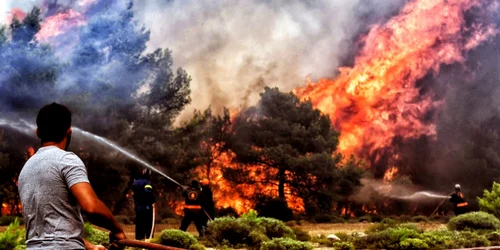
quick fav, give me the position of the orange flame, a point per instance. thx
(227, 194)
(5, 208)
(390, 174)
(16, 12)
(58, 24)
(377, 99)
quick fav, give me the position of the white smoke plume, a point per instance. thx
(233, 48)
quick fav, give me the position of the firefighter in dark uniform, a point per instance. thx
(207, 201)
(460, 205)
(144, 200)
(192, 208)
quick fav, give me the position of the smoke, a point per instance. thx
(90, 55)
(402, 190)
(233, 48)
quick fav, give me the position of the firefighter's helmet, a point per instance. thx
(457, 186)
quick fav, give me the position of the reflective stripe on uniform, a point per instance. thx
(148, 186)
(192, 206)
(463, 204)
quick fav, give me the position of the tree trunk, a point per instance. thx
(1, 207)
(281, 183)
(209, 169)
(123, 200)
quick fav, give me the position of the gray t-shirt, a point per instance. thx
(51, 213)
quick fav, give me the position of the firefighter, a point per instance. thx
(144, 200)
(207, 201)
(460, 205)
(192, 208)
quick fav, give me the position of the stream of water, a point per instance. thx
(420, 195)
(29, 129)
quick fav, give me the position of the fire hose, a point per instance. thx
(441, 203)
(153, 223)
(121, 244)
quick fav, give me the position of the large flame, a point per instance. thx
(377, 99)
(227, 194)
(58, 24)
(16, 12)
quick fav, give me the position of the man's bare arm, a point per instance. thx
(97, 212)
(90, 246)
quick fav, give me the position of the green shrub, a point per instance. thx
(494, 238)
(371, 218)
(328, 218)
(474, 221)
(233, 232)
(197, 247)
(247, 231)
(20, 247)
(387, 239)
(321, 240)
(420, 218)
(439, 239)
(385, 224)
(411, 226)
(472, 239)
(490, 202)
(444, 239)
(276, 228)
(413, 244)
(343, 246)
(94, 235)
(345, 236)
(285, 244)
(301, 235)
(177, 238)
(7, 220)
(404, 218)
(365, 218)
(12, 237)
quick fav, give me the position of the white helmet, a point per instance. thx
(457, 186)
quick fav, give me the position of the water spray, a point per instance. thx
(419, 195)
(423, 194)
(20, 126)
(27, 128)
(123, 151)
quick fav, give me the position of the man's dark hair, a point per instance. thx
(53, 122)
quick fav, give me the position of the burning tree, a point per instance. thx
(206, 135)
(293, 147)
(104, 74)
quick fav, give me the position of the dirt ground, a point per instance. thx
(312, 228)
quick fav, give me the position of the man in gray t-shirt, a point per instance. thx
(54, 187)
